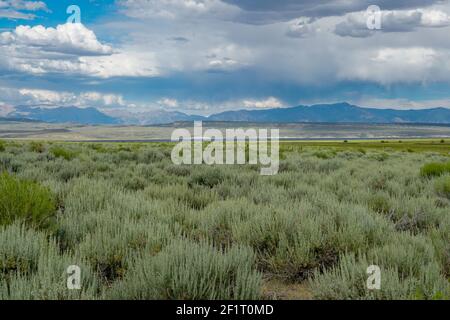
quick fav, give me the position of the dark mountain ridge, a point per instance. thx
(321, 113)
(336, 113)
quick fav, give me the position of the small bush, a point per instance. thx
(363, 151)
(181, 171)
(2, 146)
(382, 157)
(435, 169)
(324, 155)
(347, 281)
(380, 203)
(150, 156)
(31, 267)
(191, 271)
(134, 183)
(37, 147)
(60, 152)
(209, 177)
(442, 187)
(24, 200)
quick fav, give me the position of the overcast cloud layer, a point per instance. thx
(205, 56)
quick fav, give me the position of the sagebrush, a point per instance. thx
(142, 228)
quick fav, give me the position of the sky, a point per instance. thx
(208, 56)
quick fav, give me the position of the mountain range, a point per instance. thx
(334, 113)
(63, 115)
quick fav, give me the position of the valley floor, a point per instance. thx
(288, 131)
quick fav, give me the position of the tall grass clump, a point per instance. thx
(24, 200)
(409, 270)
(442, 186)
(31, 267)
(435, 169)
(19, 250)
(190, 271)
(60, 152)
(207, 177)
(36, 146)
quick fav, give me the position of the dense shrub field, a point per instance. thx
(140, 227)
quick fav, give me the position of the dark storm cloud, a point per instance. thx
(268, 11)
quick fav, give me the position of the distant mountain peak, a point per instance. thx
(68, 114)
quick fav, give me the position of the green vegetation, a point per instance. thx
(36, 146)
(443, 187)
(141, 227)
(435, 169)
(60, 152)
(25, 201)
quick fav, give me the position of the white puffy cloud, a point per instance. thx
(69, 38)
(127, 63)
(46, 97)
(52, 99)
(270, 102)
(70, 49)
(355, 24)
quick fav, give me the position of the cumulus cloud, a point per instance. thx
(270, 102)
(70, 49)
(45, 97)
(127, 63)
(70, 38)
(355, 24)
(52, 99)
